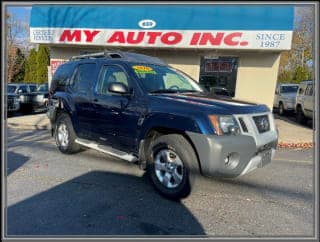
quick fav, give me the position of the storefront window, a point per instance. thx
(218, 75)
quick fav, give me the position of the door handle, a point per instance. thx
(95, 100)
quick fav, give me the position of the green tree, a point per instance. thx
(18, 67)
(302, 44)
(285, 76)
(42, 64)
(301, 73)
(31, 67)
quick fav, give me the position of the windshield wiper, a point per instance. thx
(184, 90)
(172, 91)
(164, 91)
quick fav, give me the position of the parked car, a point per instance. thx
(304, 102)
(13, 102)
(40, 97)
(285, 97)
(22, 91)
(139, 109)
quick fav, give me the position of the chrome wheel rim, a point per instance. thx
(63, 135)
(168, 168)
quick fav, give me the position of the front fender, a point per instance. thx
(64, 103)
(170, 121)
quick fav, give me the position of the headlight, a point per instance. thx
(225, 125)
(16, 100)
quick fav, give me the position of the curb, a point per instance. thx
(303, 145)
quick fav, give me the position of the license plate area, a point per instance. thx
(265, 157)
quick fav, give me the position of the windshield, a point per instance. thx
(289, 89)
(43, 88)
(33, 88)
(11, 88)
(158, 79)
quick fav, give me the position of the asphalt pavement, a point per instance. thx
(90, 193)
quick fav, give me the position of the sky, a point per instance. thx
(21, 13)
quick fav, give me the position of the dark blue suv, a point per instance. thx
(139, 109)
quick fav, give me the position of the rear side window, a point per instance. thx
(83, 78)
(309, 90)
(61, 77)
(301, 90)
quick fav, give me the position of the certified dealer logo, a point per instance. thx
(147, 23)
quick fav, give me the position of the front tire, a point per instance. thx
(281, 109)
(172, 166)
(65, 135)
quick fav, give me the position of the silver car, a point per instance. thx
(304, 102)
(285, 97)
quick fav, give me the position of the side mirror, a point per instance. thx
(19, 91)
(119, 88)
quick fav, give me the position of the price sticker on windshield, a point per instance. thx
(143, 69)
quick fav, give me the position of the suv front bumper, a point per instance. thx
(231, 156)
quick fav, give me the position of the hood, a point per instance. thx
(207, 103)
(290, 95)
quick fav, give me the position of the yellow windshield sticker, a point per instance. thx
(143, 69)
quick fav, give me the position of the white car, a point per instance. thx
(304, 102)
(285, 97)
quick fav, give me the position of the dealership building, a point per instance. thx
(234, 48)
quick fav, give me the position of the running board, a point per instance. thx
(106, 149)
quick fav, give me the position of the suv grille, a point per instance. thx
(10, 102)
(262, 123)
(243, 125)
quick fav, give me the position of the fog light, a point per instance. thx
(232, 160)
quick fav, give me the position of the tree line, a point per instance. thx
(31, 69)
(19, 67)
(297, 64)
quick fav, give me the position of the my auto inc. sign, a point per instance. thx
(193, 30)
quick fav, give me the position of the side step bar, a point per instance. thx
(106, 149)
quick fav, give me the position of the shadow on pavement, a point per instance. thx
(290, 118)
(15, 161)
(101, 203)
(267, 188)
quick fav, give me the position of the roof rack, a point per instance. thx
(104, 54)
(117, 54)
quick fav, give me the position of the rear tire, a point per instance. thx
(172, 166)
(301, 119)
(65, 135)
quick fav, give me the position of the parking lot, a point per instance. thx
(90, 193)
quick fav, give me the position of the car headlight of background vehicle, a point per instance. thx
(225, 124)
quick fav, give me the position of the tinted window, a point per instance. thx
(109, 75)
(301, 90)
(33, 88)
(309, 90)
(11, 89)
(43, 88)
(84, 77)
(289, 89)
(24, 89)
(61, 77)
